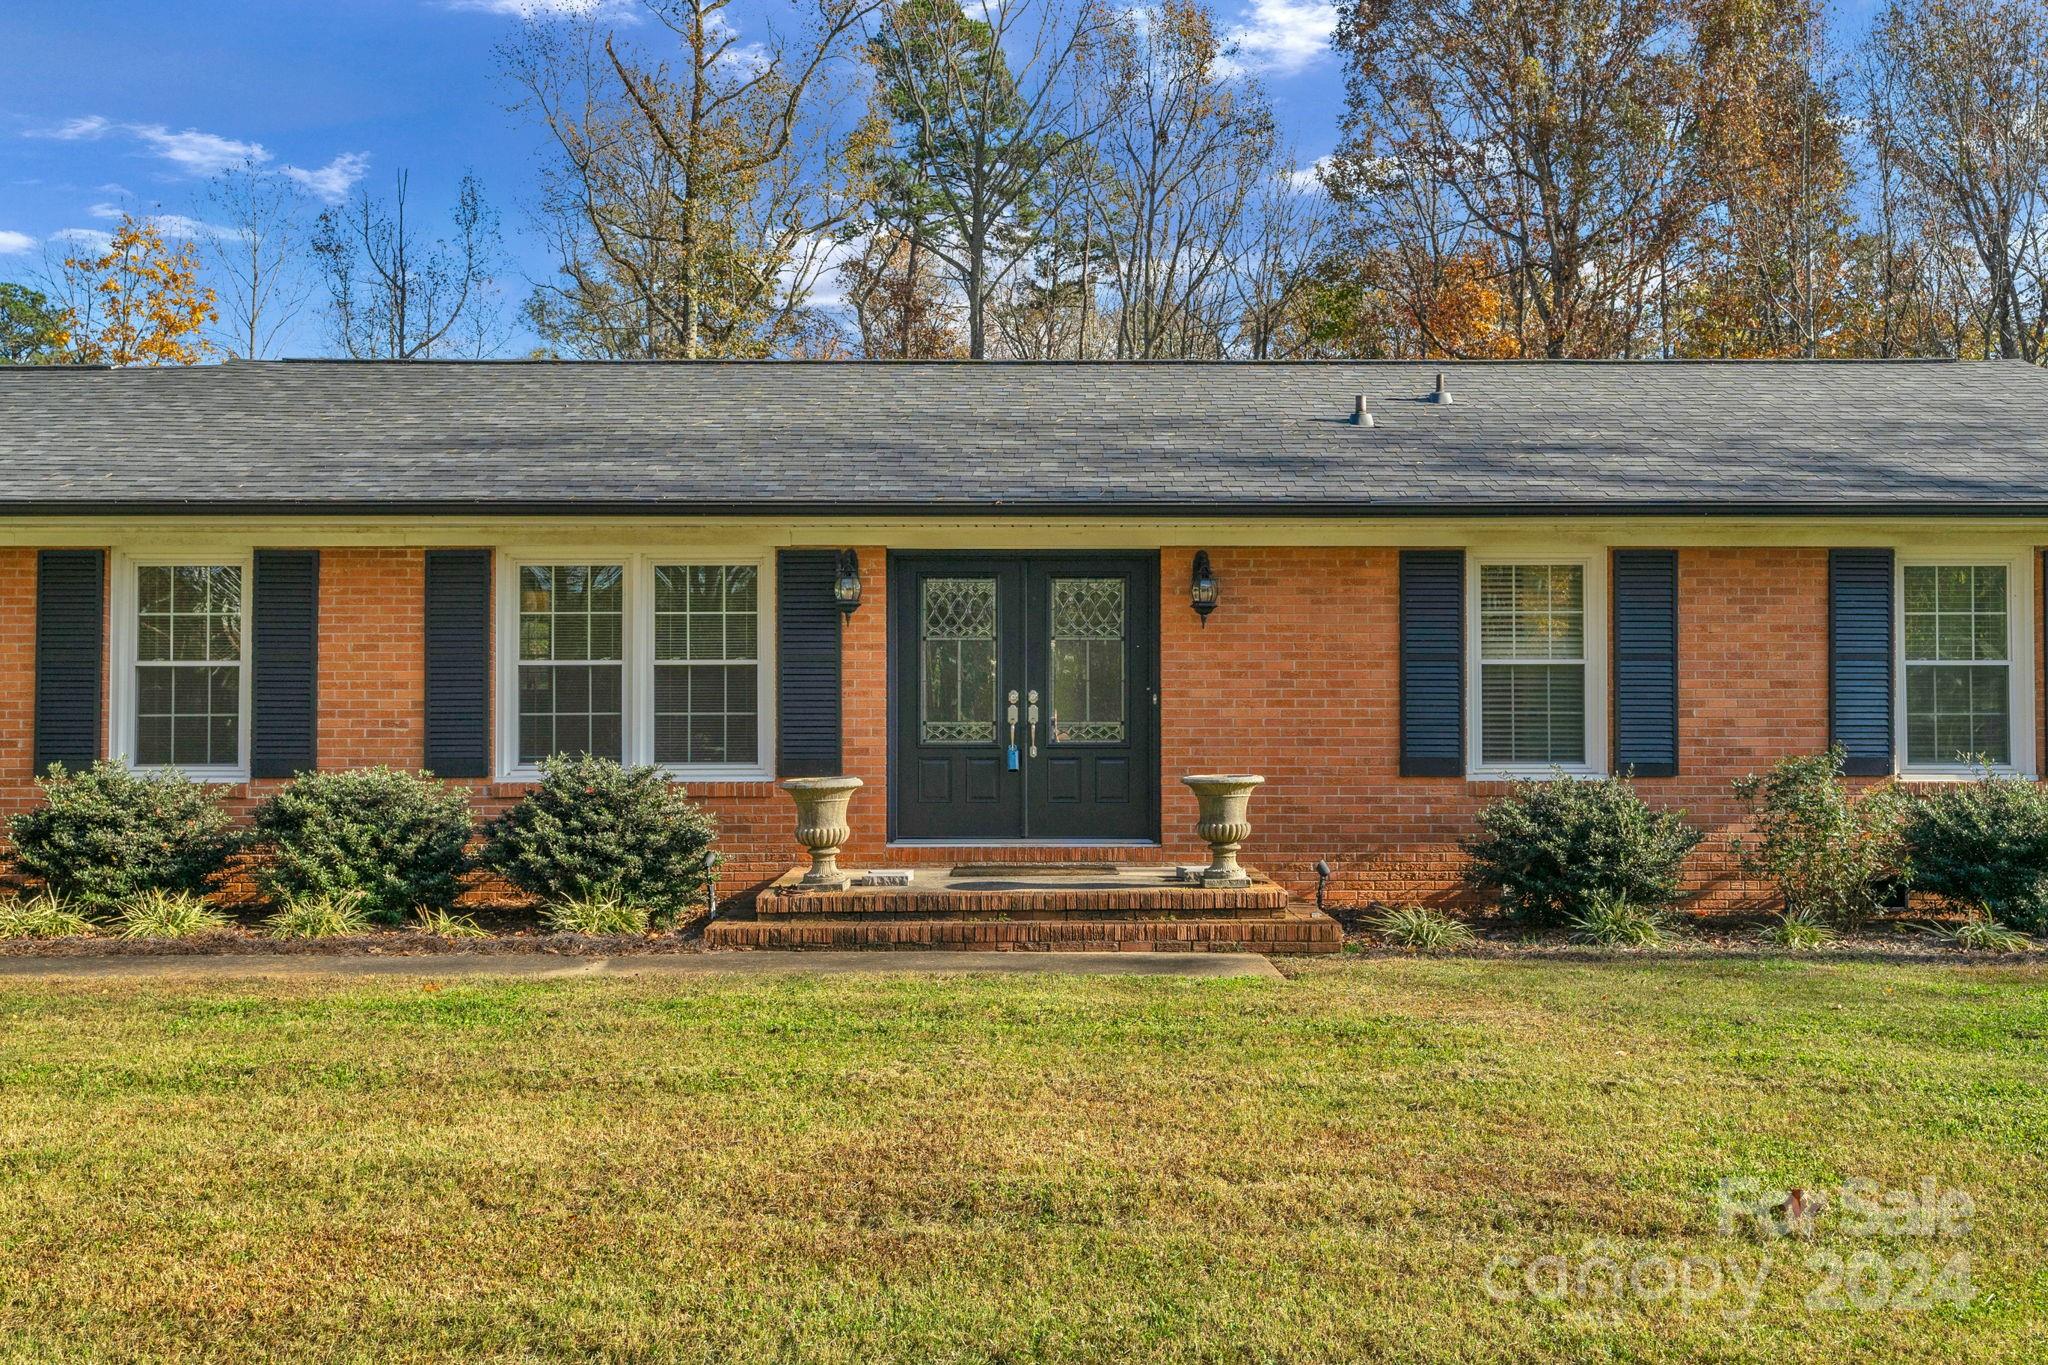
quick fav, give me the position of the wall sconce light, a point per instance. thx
(1202, 591)
(846, 583)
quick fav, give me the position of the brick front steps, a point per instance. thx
(1075, 907)
(1294, 930)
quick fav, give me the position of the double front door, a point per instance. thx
(1026, 696)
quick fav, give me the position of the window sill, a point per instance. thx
(214, 777)
(1958, 774)
(1532, 774)
(528, 777)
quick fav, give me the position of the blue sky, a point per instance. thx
(112, 105)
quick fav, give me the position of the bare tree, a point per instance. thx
(1958, 102)
(1182, 149)
(1292, 220)
(394, 294)
(696, 199)
(1564, 132)
(253, 247)
(985, 102)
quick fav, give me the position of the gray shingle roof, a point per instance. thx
(938, 437)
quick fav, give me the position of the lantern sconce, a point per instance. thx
(846, 583)
(1202, 590)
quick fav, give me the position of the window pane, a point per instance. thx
(1956, 646)
(1532, 611)
(705, 639)
(1087, 647)
(1956, 712)
(571, 612)
(1533, 713)
(188, 644)
(569, 708)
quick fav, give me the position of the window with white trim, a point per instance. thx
(187, 695)
(644, 658)
(1956, 643)
(572, 641)
(1532, 666)
(707, 676)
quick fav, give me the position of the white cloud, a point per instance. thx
(1280, 37)
(90, 241)
(541, 9)
(1309, 177)
(197, 152)
(332, 181)
(14, 243)
(72, 130)
(190, 150)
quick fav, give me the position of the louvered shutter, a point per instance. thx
(70, 625)
(1432, 663)
(1860, 659)
(1646, 662)
(284, 640)
(458, 662)
(807, 729)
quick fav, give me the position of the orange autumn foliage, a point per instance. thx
(143, 303)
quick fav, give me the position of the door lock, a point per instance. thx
(1031, 714)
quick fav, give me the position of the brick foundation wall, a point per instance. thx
(1294, 676)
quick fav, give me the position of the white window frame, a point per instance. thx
(1594, 566)
(124, 630)
(2019, 625)
(636, 683)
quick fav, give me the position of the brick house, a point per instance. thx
(1683, 570)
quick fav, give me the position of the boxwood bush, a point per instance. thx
(1984, 844)
(592, 829)
(392, 838)
(1549, 850)
(105, 834)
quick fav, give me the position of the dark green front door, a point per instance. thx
(1026, 696)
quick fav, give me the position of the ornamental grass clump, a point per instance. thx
(393, 838)
(1800, 931)
(444, 924)
(106, 834)
(339, 915)
(1418, 926)
(593, 830)
(1834, 857)
(1610, 921)
(41, 916)
(1983, 935)
(1547, 849)
(603, 912)
(1984, 844)
(168, 914)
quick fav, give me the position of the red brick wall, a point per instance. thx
(1294, 676)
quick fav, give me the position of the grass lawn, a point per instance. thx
(1014, 1168)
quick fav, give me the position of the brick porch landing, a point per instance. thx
(1072, 907)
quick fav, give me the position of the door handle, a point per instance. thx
(1031, 714)
(1013, 718)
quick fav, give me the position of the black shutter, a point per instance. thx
(458, 663)
(1432, 663)
(1646, 662)
(807, 724)
(1860, 659)
(70, 608)
(284, 639)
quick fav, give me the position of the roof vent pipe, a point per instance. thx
(1361, 413)
(1443, 395)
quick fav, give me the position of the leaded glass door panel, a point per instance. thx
(958, 628)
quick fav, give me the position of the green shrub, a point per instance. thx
(1982, 935)
(602, 912)
(1418, 926)
(105, 834)
(42, 916)
(592, 828)
(1799, 930)
(1984, 844)
(442, 924)
(1617, 922)
(395, 837)
(327, 916)
(168, 914)
(1548, 848)
(1832, 858)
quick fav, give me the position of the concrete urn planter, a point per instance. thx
(821, 826)
(1224, 823)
